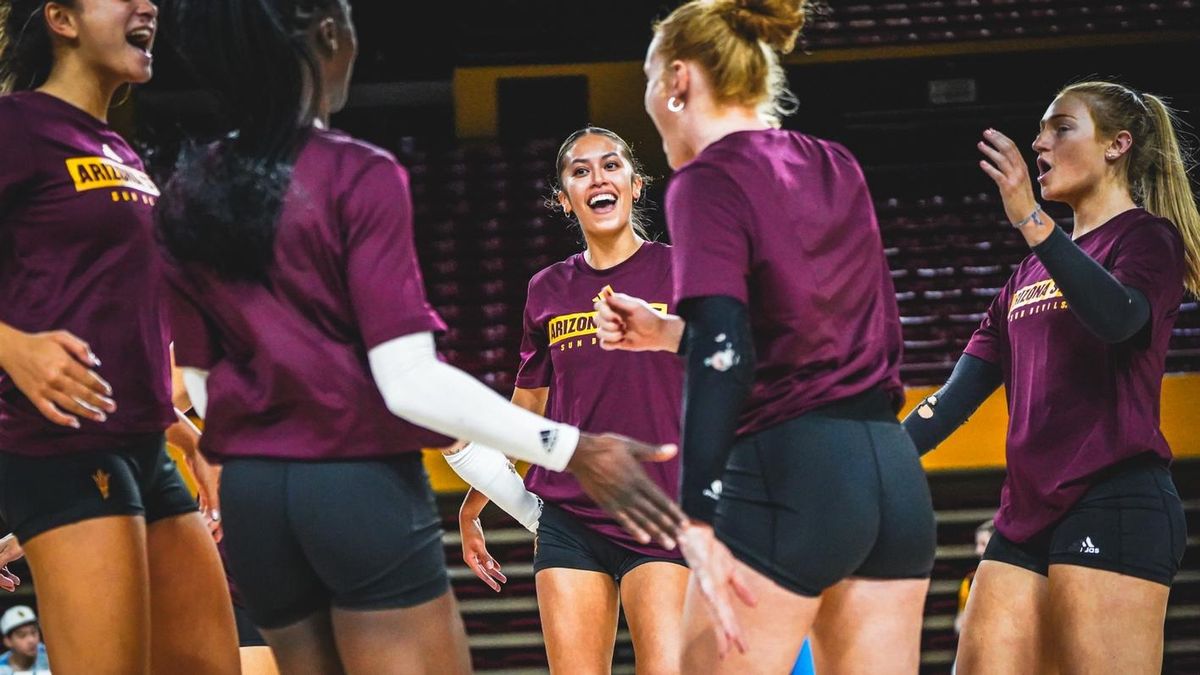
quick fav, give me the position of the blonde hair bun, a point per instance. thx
(775, 22)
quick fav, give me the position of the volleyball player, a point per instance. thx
(302, 325)
(807, 500)
(586, 566)
(88, 488)
(1091, 529)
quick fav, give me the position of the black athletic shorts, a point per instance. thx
(1130, 521)
(838, 492)
(304, 536)
(564, 542)
(248, 635)
(136, 478)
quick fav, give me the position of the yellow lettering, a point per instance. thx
(91, 173)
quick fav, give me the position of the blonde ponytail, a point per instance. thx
(1157, 166)
(1167, 191)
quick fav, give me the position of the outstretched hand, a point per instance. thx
(609, 471)
(715, 571)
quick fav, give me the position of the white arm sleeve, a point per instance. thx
(442, 398)
(195, 381)
(489, 471)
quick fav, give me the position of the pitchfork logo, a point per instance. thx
(101, 480)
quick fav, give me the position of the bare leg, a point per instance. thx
(306, 647)
(258, 661)
(653, 595)
(870, 626)
(93, 579)
(774, 630)
(579, 620)
(192, 628)
(1106, 622)
(421, 640)
(1005, 626)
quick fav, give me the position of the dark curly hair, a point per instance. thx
(221, 208)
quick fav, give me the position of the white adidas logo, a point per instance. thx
(713, 492)
(111, 154)
(1086, 546)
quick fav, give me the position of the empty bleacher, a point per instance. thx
(484, 228)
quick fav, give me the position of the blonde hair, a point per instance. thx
(737, 43)
(1157, 166)
(5, 11)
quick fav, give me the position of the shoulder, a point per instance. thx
(658, 249)
(13, 127)
(658, 254)
(1141, 225)
(13, 105)
(707, 178)
(350, 156)
(553, 276)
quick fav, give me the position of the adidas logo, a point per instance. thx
(548, 438)
(111, 154)
(714, 492)
(1086, 546)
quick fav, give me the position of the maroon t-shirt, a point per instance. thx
(784, 223)
(636, 394)
(1076, 404)
(77, 253)
(287, 360)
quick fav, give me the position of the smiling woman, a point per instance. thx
(586, 566)
(88, 488)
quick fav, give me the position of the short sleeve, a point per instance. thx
(196, 343)
(383, 278)
(706, 215)
(990, 340)
(536, 369)
(1150, 258)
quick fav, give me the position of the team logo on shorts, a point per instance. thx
(101, 480)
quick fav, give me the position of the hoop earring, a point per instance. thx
(674, 105)
(124, 99)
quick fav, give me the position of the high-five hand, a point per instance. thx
(1006, 166)
(609, 472)
(715, 571)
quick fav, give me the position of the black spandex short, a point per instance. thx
(838, 492)
(564, 542)
(304, 536)
(248, 635)
(135, 478)
(1130, 521)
